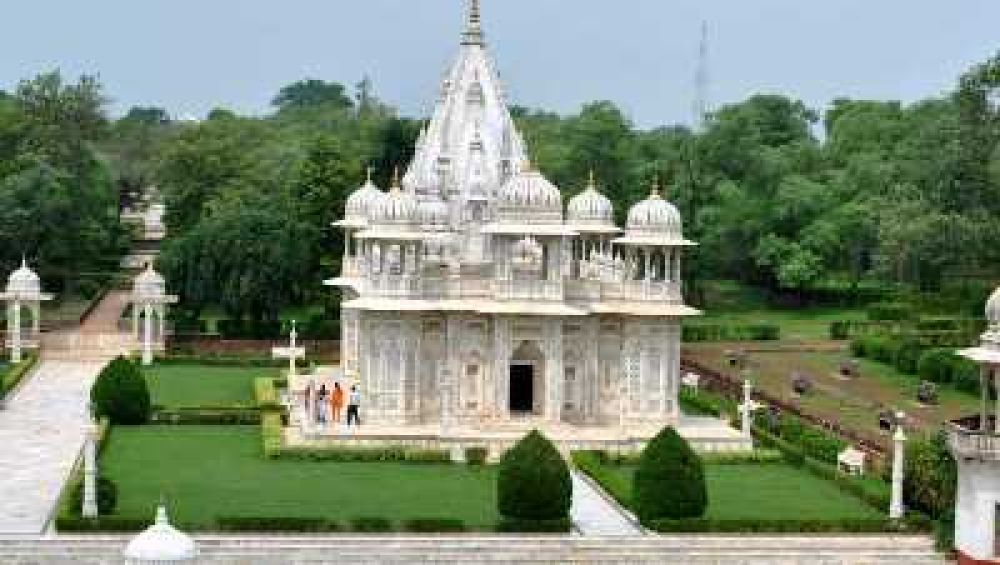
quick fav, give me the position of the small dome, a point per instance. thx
(24, 281)
(590, 207)
(149, 283)
(530, 197)
(433, 213)
(993, 309)
(161, 543)
(361, 203)
(396, 207)
(655, 216)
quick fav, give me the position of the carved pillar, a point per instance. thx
(15, 332)
(555, 377)
(147, 334)
(592, 375)
(501, 367)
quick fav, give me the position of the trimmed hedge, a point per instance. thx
(594, 465)
(206, 416)
(555, 526)
(271, 435)
(101, 524)
(533, 482)
(276, 524)
(12, 377)
(265, 394)
(476, 455)
(890, 312)
(107, 496)
(774, 526)
(226, 361)
(734, 332)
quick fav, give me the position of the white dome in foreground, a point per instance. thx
(161, 543)
(361, 202)
(529, 197)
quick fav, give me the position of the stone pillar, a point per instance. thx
(996, 418)
(89, 509)
(747, 400)
(984, 388)
(896, 507)
(147, 334)
(15, 333)
(501, 366)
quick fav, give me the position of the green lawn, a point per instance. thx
(805, 324)
(200, 385)
(773, 491)
(210, 471)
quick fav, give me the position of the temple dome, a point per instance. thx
(655, 216)
(529, 197)
(161, 543)
(590, 207)
(149, 283)
(362, 202)
(993, 309)
(24, 281)
(396, 207)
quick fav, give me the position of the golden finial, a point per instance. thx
(395, 177)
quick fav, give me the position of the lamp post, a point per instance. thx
(896, 506)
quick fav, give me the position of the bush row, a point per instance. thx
(734, 332)
(939, 364)
(811, 440)
(14, 373)
(778, 526)
(902, 353)
(265, 394)
(366, 454)
(224, 361)
(360, 524)
(317, 326)
(757, 456)
(206, 416)
(890, 312)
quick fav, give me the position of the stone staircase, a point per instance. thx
(697, 549)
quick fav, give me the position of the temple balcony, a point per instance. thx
(967, 439)
(641, 291)
(517, 289)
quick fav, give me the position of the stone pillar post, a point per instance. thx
(984, 394)
(996, 383)
(147, 334)
(896, 507)
(89, 509)
(15, 334)
(747, 401)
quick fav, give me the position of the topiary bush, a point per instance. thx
(120, 394)
(533, 482)
(670, 480)
(937, 365)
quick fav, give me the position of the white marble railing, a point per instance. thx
(973, 444)
(441, 288)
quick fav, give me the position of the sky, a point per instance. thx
(190, 56)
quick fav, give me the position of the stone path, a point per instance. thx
(593, 515)
(45, 422)
(41, 433)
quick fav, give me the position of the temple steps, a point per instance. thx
(497, 549)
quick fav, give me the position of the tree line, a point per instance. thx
(779, 196)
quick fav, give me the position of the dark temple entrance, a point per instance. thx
(522, 379)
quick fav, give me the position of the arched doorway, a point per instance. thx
(527, 366)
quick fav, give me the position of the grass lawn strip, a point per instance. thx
(210, 471)
(770, 491)
(174, 386)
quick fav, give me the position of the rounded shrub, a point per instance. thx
(120, 394)
(670, 480)
(533, 482)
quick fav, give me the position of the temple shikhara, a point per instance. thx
(472, 295)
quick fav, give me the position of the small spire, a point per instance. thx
(368, 173)
(655, 192)
(395, 178)
(473, 34)
(24, 261)
(592, 181)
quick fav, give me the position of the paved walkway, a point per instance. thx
(41, 433)
(594, 515)
(45, 422)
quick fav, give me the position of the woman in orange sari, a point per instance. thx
(336, 402)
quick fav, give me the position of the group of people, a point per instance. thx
(325, 406)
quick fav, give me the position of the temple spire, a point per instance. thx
(473, 34)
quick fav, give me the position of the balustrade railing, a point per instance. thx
(513, 289)
(973, 444)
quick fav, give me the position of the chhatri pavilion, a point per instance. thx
(472, 297)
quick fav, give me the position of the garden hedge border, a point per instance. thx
(13, 376)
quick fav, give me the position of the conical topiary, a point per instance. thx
(670, 480)
(533, 481)
(120, 394)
